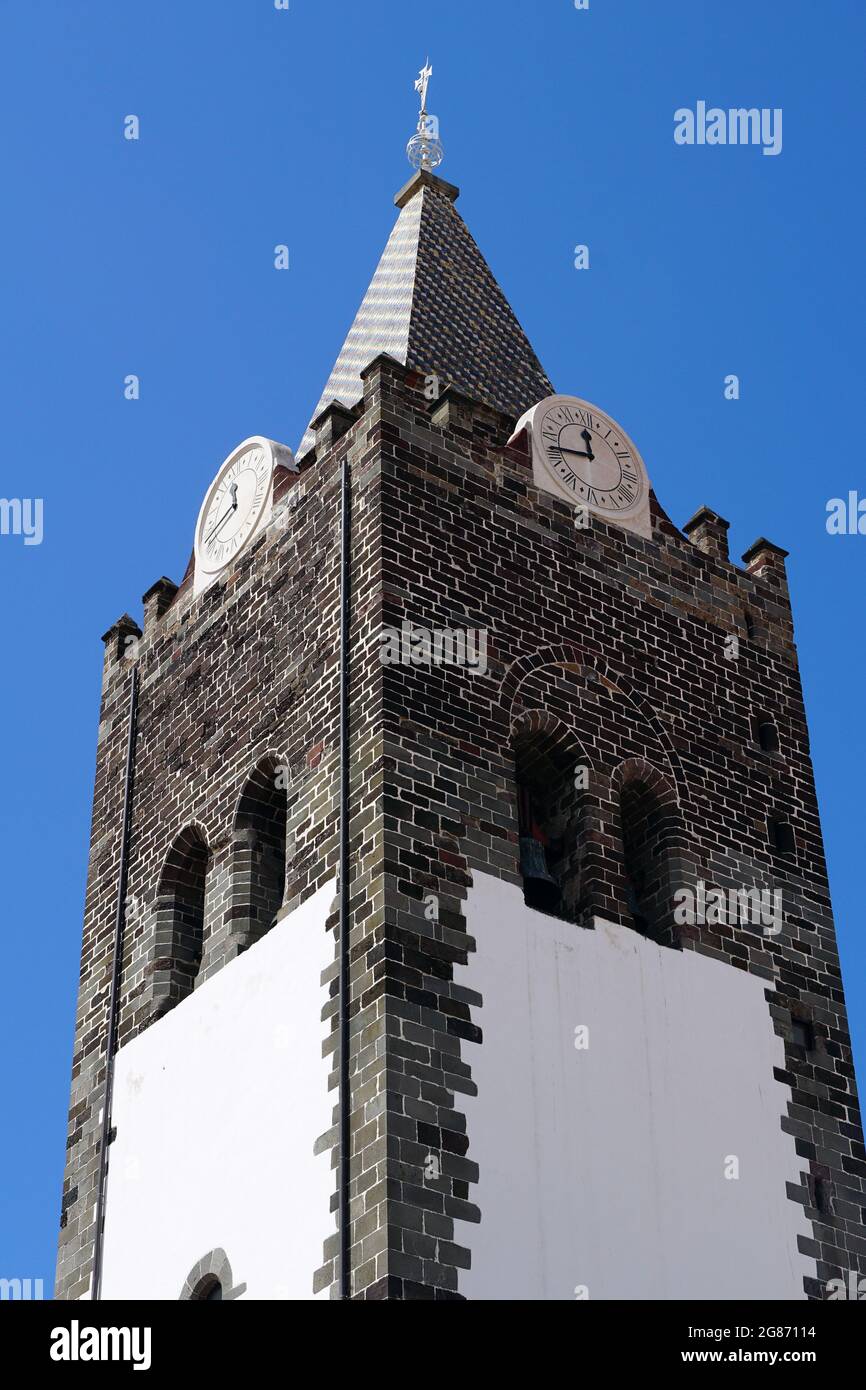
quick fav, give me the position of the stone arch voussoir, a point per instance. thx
(214, 1266)
(594, 666)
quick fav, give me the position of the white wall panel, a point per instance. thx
(217, 1108)
(605, 1167)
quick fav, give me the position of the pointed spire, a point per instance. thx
(435, 306)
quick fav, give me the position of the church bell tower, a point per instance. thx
(457, 920)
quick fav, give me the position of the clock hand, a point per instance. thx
(578, 453)
(226, 515)
(223, 519)
(587, 438)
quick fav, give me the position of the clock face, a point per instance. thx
(234, 506)
(591, 458)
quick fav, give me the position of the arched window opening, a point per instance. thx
(646, 827)
(550, 786)
(180, 914)
(211, 1281)
(259, 860)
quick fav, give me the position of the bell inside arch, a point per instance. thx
(540, 888)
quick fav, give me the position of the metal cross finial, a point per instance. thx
(425, 150)
(422, 83)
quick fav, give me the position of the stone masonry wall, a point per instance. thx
(621, 644)
(624, 644)
(243, 676)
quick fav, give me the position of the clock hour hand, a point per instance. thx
(587, 439)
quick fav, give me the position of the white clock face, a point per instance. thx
(592, 459)
(234, 506)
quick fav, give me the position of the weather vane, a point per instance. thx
(425, 150)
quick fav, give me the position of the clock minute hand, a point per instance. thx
(578, 453)
(226, 515)
(223, 519)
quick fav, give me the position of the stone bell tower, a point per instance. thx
(570, 1023)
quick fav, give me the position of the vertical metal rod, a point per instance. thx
(116, 970)
(344, 1085)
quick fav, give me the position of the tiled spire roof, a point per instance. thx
(434, 305)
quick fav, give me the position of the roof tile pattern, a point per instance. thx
(434, 305)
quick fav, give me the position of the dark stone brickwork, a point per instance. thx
(610, 646)
(233, 684)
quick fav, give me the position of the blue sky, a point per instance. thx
(156, 257)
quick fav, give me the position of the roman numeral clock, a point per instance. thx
(237, 505)
(582, 454)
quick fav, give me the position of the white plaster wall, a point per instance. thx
(217, 1109)
(605, 1167)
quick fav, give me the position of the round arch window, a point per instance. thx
(211, 1280)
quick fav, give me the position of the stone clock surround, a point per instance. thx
(557, 421)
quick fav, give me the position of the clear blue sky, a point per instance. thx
(261, 127)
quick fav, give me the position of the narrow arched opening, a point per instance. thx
(552, 781)
(259, 853)
(180, 919)
(648, 831)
